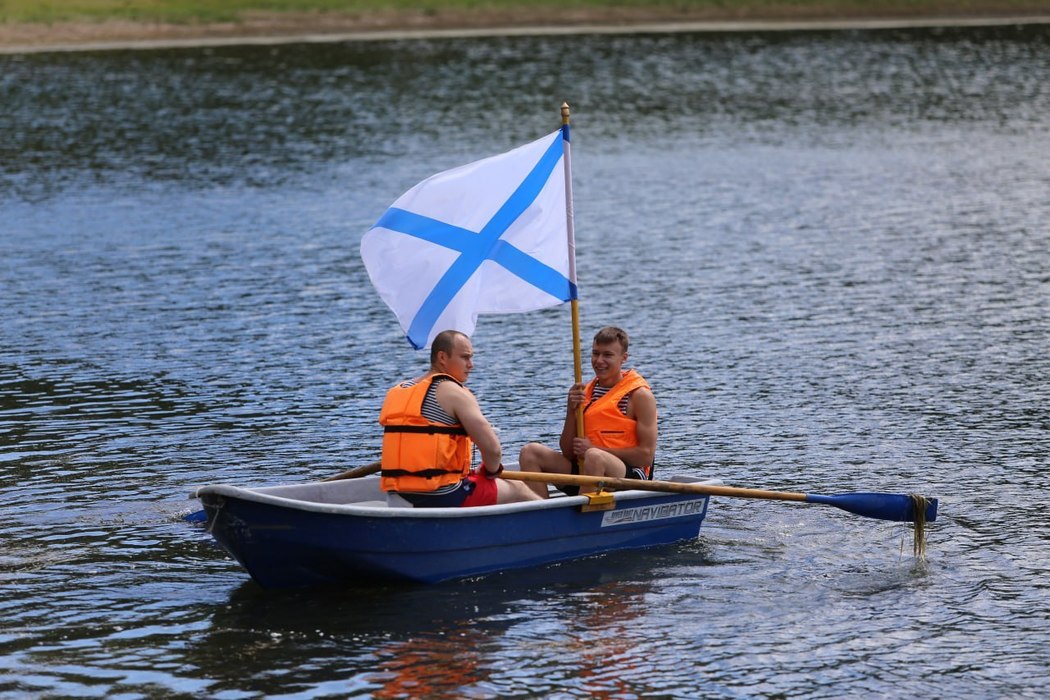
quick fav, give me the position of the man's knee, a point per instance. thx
(530, 458)
(600, 463)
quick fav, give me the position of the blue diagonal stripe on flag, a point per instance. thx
(473, 248)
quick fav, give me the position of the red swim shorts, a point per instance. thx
(484, 492)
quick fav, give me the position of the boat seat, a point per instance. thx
(395, 501)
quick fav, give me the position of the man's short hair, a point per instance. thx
(611, 334)
(444, 342)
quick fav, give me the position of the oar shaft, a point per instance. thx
(882, 506)
(356, 472)
(646, 485)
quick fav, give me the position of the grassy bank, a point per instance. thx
(36, 25)
(216, 11)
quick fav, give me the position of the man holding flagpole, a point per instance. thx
(620, 418)
(429, 426)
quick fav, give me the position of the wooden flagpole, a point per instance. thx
(574, 303)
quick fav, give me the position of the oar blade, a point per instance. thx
(197, 516)
(882, 506)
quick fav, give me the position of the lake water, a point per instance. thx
(831, 252)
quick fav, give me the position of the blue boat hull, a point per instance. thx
(344, 532)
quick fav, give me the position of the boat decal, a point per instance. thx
(641, 514)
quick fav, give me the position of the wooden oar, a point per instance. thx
(199, 516)
(356, 472)
(883, 506)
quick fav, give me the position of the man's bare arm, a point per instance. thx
(643, 409)
(461, 404)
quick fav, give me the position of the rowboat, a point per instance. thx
(346, 529)
(351, 531)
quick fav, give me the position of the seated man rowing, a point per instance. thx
(429, 424)
(619, 422)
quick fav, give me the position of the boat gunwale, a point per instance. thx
(259, 495)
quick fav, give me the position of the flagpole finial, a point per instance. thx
(564, 112)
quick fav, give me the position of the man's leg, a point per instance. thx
(514, 491)
(535, 457)
(598, 462)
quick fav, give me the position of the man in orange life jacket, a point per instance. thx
(429, 424)
(619, 422)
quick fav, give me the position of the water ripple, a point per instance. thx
(830, 252)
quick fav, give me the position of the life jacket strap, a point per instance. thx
(422, 474)
(428, 429)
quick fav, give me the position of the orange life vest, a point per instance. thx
(604, 424)
(418, 454)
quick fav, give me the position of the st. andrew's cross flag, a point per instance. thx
(494, 236)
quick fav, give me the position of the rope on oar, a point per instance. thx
(919, 510)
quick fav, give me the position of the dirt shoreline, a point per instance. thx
(271, 28)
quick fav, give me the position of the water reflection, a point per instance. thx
(494, 634)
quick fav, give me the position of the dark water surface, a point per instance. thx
(831, 250)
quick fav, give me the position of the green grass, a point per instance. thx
(192, 11)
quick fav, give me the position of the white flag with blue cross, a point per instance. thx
(490, 237)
